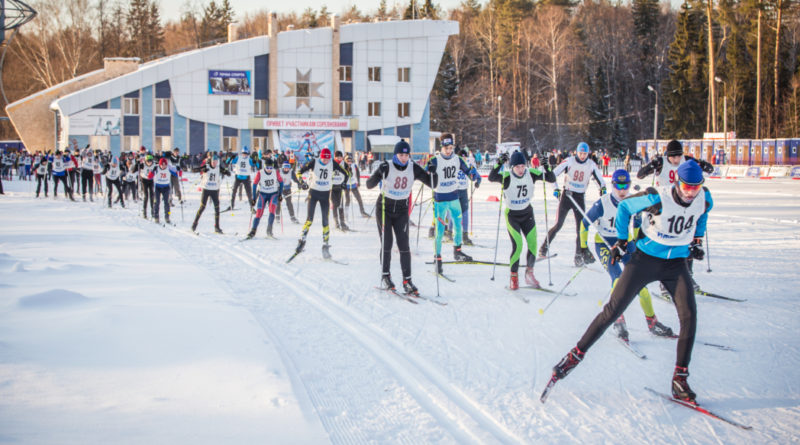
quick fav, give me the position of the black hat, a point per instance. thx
(402, 147)
(447, 139)
(674, 148)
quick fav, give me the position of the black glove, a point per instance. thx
(502, 159)
(706, 166)
(303, 186)
(384, 169)
(431, 167)
(280, 197)
(696, 249)
(618, 250)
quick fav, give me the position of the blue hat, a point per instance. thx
(621, 177)
(690, 173)
(517, 158)
(583, 147)
(245, 149)
(402, 147)
(286, 165)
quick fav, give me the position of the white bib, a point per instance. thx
(669, 173)
(144, 170)
(322, 176)
(41, 170)
(243, 166)
(578, 174)
(605, 226)
(287, 179)
(162, 177)
(113, 172)
(268, 182)
(398, 183)
(58, 164)
(353, 179)
(211, 179)
(87, 163)
(519, 192)
(447, 173)
(675, 226)
(338, 178)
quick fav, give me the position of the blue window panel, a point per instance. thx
(420, 143)
(197, 137)
(101, 105)
(346, 133)
(179, 132)
(115, 103)
(163, 90)
(346, 53)
(261, 77)
(244, 139)
(388, 131)
(115, 144)
(213, 137)
(230, 132)
(345, 90)
(146, 107)
(404, 131)
(260, 133)
(130, 125)
(163, 125)
(132, 94)
(359, 141)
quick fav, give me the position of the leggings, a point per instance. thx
(321, 197)
(287, 198)
(87, 180)
(67, 189)
(162, 194)
(39, 180)
(396, 218)
(214, 195)
(520, 224)
(118, 184)
(269, 200)
(641, 270)
(441, 210)
(336, 200)
(242, 183)
(564, 206)
(147, 195)
(355, 193)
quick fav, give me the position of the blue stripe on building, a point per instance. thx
(346, 54)
(179, 132)
(197, 137)
(359, 141)
(146, 108)
(163, 90)
(244, 139)
(116, 141)
(130, 125)
(422, 133)
(213, 137)
(230, 132)
(101, 105)
(404, 131)
(261, 77)
(346, 91)
(134, 93)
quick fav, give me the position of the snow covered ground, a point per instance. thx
(117, 330)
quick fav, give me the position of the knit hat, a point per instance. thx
(690, 173)
(517, 158)
(325, 153)
(402, 147)
(674, 148)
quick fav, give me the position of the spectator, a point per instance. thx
(606, 161)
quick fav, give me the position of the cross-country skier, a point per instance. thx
(397, 179)
(463, 196)
(161, 180)
(268, 187)
(87, 173)
(243, 166)
(129, 179)
(518, 192)
(287, 173)
(60, 163)
(353, 184)
(578, 169)
(444, 169)
(336, 191)
(113, 173)
(145, 169)
(321, 184)
(212, 173)
(603, 211)
(174, 159)
(673, 224)
(42, 168)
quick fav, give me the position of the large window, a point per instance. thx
(230, 143)
(131, 105)
(260, 107)
(163, 144)
(231, 107)
(403, 109)
(259, 143)
(162, 107)
(404, 74)
(345, 73)
(130, 143)
(374, 109)
(345, 108)
(374, 74)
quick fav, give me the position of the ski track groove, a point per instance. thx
(453, 410)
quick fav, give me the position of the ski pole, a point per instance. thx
(419, 211)
(497, 235)
(561, 292)
(183, 194)
(471, 214)
(383, 230)
(547, 236)
(708, 254)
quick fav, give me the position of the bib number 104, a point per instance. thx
(678, 224)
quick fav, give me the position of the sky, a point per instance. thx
(171, 9)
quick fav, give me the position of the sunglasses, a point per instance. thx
(622, 185)
(684, 187)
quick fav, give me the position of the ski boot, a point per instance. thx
(326, 253)
(579, 261)
(84, 198)
(665, 295)
(465, 240)
(438, 260)
(91, 197)
(568, 363)
(656, 328)
(167, 220)
(458, 255)
(680, 387)
(544, 250)
(432, 233)
(269, 232)
(386, 282)
(194, 227)
(588, 258)
(409, 288)
(531, 280)
(294, 220)
(364, 214)
(345, 228)
(301, 243)
(514, 284)
(155, 220)
(620, 328)
(218, 230)
(253, 234)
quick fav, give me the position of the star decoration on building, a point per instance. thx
(303, 89)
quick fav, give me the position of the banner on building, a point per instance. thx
(303, 140)
(228, 82)
(95, 122)
(307, 124)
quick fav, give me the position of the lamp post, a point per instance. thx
(724, 111)
(655, 120)
(499, 127)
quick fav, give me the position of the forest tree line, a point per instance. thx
(569, 71)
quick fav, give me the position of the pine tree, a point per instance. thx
(429, 10)
(412, 11)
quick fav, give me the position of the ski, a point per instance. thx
(520, 296)
(333, 260)
(226, 210)
(699, 409)
(542, 258)
(441, 275)
(630, 347)
(397, 294)
(551, 291)
(713, 295)
(431, 299)
(548, 388)
(297, 252)
(485, 263)
(704, 343)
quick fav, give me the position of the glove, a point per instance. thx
(696, 249)
(502, 159)
(303, 186)
(708, 168)
(557, 193)
(431, 168)
(618, 250)
(603, 191)
(280, 197)
(384, 169)
(477, 181)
